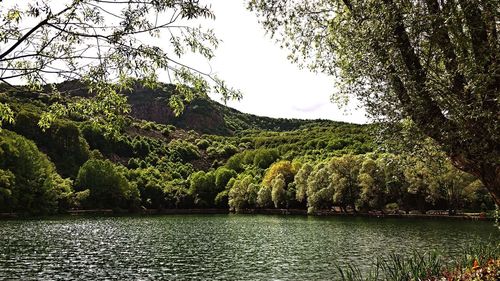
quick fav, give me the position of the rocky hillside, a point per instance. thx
(204, 115)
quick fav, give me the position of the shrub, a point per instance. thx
(183, 149)
(235, 162)
(265, 157)
(202, 143)
(222, 177)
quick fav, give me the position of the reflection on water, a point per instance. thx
(216, 247)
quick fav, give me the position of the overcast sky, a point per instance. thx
(251, 61)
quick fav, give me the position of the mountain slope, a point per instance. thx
(204, 115)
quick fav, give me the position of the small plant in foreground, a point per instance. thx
(480, 262)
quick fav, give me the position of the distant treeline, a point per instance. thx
(79, 164)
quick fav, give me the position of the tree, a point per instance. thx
(301, 181)
(150, 183)
(264, 197)
(421, 181)
(265, 157)
(283, 168)
(239, 193)
(107, 185)
(61, 136)
(202, 187)
(278, 194)
(253, 194)
(29, 182)
(395, 182)
(101, 44)
(454, 183)
(435, 62)
(319, 188)
(372, 182)
(344, 180)
(222, 177)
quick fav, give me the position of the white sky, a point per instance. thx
(252, 62)
(249, 60)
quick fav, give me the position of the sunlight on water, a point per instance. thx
(216, 247)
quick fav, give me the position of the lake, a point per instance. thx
(217, 247)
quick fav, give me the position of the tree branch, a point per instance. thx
(35, 28)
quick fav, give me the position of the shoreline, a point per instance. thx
(329, 213)
(213, 211)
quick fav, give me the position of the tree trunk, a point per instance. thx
(487, 172)
(491, 180)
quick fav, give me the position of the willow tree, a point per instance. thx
(433, 61)
(108, 45)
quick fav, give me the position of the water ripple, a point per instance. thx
(216, 247)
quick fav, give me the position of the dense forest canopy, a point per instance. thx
(105, 137)
(257, 163)
(435, 62)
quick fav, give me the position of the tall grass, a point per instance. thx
(418, 266)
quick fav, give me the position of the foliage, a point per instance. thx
(300, 181)
(61, 136)
(371, 179)
(240, 192)
(29, 182)
(283, 168)
(203, 188)
(108, 186)
(434, 62)
(101, 44)
(264, 197)
(324, 165)
(183, 149)
(345, 179)
(477, 263)
(222, 177)
(278, 191)
(265, 157)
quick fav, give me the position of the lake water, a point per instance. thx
(217, 247)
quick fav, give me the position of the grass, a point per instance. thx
(481, 262)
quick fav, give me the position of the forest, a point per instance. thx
(241, 162)
(106, 108)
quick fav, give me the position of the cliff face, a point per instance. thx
(201, 115)
(156, 111)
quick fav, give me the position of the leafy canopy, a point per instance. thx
(434, 62)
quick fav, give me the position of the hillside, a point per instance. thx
(202, 115)
(210, 156)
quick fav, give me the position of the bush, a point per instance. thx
(202, 143)
(265, 157)
(183, 149)
(222, 177)
(235, 162)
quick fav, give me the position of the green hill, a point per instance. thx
(209, 156)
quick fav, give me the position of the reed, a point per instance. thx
(425, 266)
